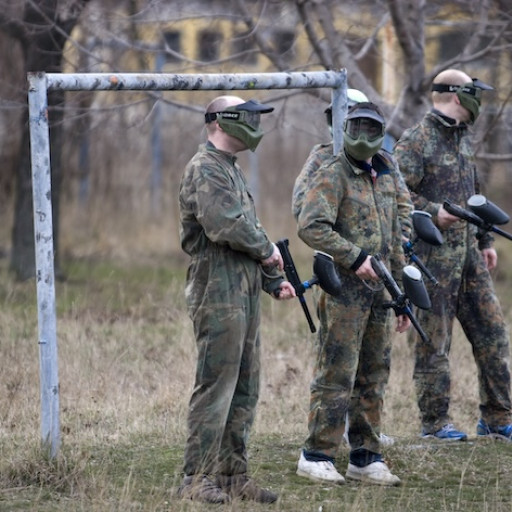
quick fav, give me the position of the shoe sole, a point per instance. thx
(320, 480)
(445, 439)
(368, 480)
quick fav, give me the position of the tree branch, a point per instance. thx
(259, 37)
(305, 16)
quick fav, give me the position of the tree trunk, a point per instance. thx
(42, 49)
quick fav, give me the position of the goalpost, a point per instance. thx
(39, 85)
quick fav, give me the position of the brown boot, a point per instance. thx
(201, 488)
(243, 487)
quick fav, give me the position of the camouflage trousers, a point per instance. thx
(351, 371)
(223, 296)
(465, 292)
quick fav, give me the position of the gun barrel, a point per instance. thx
(416, 324)
(415, 259)
(499, 231)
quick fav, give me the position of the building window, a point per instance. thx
(209, 45)
(369, 62)
(283, 42)
(451, 44)
(172, 40)
(244, 49)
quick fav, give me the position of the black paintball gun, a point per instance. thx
(415, 291)
(484, 214)
(427, 231)
(324, 274)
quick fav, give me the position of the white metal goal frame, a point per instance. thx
(39, 85)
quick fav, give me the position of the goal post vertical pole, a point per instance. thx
(44, 256)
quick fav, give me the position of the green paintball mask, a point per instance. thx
(242, 121)
(363, 131)
(469, 94)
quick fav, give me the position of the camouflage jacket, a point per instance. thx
(347, 214)
(322, 153)
(437, 160)
(217, 208)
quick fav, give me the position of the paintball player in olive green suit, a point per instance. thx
(232, 259)
(437, 160)
(350, 211)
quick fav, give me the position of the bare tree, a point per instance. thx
(482, 30)
(42, 28)
(385, 45)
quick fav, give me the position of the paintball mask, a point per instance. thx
(469, 94)
(363, 131)
(242, 121)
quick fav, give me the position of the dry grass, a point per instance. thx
(126, 363)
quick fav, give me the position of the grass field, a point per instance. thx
(126, 363)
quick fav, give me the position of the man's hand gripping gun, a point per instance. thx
(415, 292)
(484, 214)
(324, 274)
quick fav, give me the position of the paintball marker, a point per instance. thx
(484, 214)
(324, 274)
(427, 231)
(415, 292)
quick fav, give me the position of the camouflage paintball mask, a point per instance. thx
(242, 121)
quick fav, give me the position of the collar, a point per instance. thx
(210, 146)
(380, 164)
(447, 120)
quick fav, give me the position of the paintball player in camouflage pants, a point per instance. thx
(350, 211)
(320, 154)
(437, 160)
(232, 259)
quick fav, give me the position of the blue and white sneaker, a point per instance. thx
(484, 430)
(446, 433)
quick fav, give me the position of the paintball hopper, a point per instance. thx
(414, 287)
(325, 273)
(415, 291)
(425, 228)
(487, 210)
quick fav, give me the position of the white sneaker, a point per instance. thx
(319, 471)
(386, 440)
(375, 473)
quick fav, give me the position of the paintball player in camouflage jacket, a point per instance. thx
(350, 212)
(320, 154)
(232, 258)
(437, 159)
